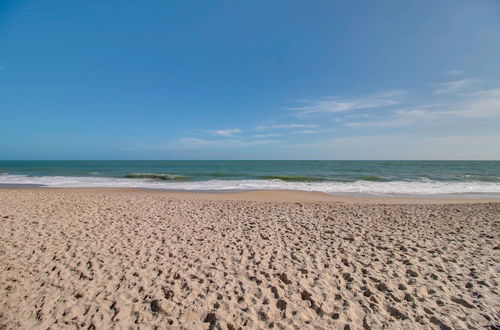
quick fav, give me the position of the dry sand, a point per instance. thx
(128, 259)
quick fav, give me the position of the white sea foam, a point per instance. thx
(424, 187)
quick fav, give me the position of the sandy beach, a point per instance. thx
(128, 259)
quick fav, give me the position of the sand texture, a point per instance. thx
(101, 260)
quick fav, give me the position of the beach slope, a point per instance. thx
(103, 259)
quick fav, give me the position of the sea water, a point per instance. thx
(481, 178)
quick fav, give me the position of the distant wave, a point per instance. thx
(480, 177)
(304, 178)
(374, 178)
(157, 176)
(222, 175)
(292, 178)
(422, 187)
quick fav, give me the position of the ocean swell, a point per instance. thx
(157, 176)
(291, 178)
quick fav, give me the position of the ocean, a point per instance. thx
(468, 178)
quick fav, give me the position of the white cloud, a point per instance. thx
(477, 104)
(305, 131)
(339, 104)
(454, 72)
(284, 126)
(260, 136)
(226, 132)
(381, 123)
(455, 86)
(399, 108)
(196, 143)
(397, 118)
(453, 107)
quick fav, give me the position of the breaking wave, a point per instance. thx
(157, 176)
(292, 178)
(422, 187)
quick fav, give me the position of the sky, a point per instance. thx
(272, 79)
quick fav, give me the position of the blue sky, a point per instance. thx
(250, 79)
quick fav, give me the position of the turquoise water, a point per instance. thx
(371, 177)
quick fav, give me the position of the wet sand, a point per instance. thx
(122, 258)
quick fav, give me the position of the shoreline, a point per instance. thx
(271, 196)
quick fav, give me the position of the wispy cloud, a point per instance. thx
(476, 104)
(396, 118)
(483, 103)
(284, 126)
(454, 72)
(453, 105)
(341, 104)
(455, 86)
(305, 131)
(260, 136)
(197, 143)
(226, 132)
(316, 130)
